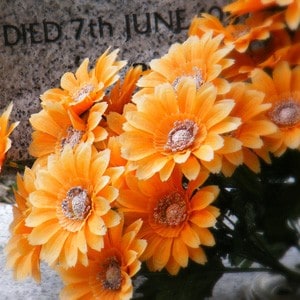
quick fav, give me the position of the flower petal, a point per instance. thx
(189, 237)
(71, 250)
(41, 234)
(191, 168)
(203, 198)
(161, 257)
(180, 252)
(205, 152)
(52, 249)
(94, 241)
(203, 219)
(96, 225)
(197, 255)
(38, 216)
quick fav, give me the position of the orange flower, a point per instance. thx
(254, 28)
(22, 257)
(5, 131)
(72, 205)
(82, 89)
(118, 100)
(291, 12)
(113, 124)
(266, 53)
(175, 219)
(55, 127)
(282, 90)
(250, 108)
(108, 274)
(291, 9)
(202, 59)
(241, 7)
(182, 127)
(122, 92)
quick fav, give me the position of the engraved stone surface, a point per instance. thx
(41, 40)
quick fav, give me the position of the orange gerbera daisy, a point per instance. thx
(182, 127)
(291, 9)
(241, 7)
(267, 53)
(250, 107)
(82, 89)
(175, 219)
(122, 92)
(22, 257)
(256, 27)
(108, 274)
(202, 59)
(55, 127)
(72, 205)
(282, 90)
(5, 131)
(117, 100)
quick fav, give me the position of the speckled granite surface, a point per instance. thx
(40, 40)
(231, 286)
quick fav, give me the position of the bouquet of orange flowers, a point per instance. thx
(144, 183)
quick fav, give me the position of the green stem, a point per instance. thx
(265, 257)
(254, 249)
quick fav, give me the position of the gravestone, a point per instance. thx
(41, 40)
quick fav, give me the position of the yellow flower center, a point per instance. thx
(170, 210)
(286, 113)
(72, 138)
(181, 136)
(196, 75)
(112, 277)
(82, 93)
(77, 204)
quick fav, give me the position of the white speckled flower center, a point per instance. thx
(181, 136)
(170, 210)
(196, 75)
(72, 138)
(286, 113)
(112, 277)
(77, 204)
(82, 93)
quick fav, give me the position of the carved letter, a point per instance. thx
(12, 35)
(147, 27)
(52, 31)
(92, 24)
(128, 31)
(33, 32)
(179, 20)
(101, 24)
(158, 17)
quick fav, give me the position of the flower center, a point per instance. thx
(196, 75)
(286, 113)
(170, 210)
(77, 204)
(181, 136)
(72, 138)
(82, 93)
(112, 277)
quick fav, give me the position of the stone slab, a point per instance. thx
(40, 40)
